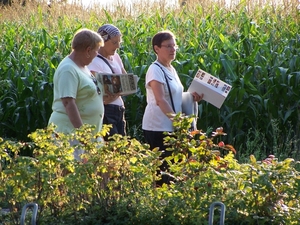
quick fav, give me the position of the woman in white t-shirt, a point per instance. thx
(161, 80)
(109, 61)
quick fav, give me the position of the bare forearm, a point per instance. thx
(73, 114)
(166, 108)
(159, 93)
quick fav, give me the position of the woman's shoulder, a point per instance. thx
(155, 73)
(96, 64)
(155, 68)
(67, 66)
(66, 63)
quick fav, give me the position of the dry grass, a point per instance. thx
(120, 10)
(17, 12)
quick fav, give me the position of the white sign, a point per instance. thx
(215, 91)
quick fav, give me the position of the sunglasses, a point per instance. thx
(96, 83)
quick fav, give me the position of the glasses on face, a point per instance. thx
(117, 43)
(96, 83)
(170, 47)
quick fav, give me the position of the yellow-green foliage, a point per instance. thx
(115, 181)
(252, 46)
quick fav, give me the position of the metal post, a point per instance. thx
(34, 207)
(211, 213)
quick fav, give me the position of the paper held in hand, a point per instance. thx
(215, 91)
(124, 84)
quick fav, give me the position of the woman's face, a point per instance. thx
(167, 50)
(91, 54)
(112, 45)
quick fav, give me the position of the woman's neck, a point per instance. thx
(104, 53)
(77, 60)
(164, 63)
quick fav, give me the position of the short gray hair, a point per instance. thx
(85, 38)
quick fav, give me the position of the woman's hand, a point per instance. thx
(196, 97)
(110, 97)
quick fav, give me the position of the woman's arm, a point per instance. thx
(72, 111)
(161, 101)
(109, 97)
(123, 70)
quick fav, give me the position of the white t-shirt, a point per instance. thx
(154, 119)
(98, 65)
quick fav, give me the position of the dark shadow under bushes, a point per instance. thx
(114, 184)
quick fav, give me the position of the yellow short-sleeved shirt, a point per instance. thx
(70, 81)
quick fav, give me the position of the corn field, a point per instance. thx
(254, 47)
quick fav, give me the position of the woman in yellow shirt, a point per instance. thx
(78, 99)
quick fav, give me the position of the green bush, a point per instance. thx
(115, 182)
